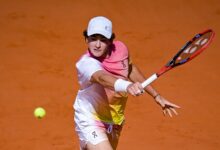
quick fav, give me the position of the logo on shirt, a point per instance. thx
(123, 63)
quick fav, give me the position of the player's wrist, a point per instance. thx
(155, 96)
(121, 85)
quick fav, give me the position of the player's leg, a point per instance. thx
(114, 135)
(104, 145)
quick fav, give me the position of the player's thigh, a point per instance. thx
(114, 142)
(104, 145)
(114, 136)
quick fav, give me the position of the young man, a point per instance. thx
(106, 77)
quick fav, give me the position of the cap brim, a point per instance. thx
(105, 34)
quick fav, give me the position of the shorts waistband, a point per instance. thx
(109, 126)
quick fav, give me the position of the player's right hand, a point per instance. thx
(135, 89)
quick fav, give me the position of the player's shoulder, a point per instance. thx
(86, 60)
(119, 48)
(119, 44)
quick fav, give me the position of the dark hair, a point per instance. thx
(86, 35)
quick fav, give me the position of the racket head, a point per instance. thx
(190, 50)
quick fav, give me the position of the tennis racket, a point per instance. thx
(189, 51)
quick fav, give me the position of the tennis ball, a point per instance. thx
(39, 112)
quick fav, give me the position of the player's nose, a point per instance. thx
(98, 44)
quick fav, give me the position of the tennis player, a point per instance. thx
(106, 77)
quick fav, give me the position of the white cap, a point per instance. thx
(100, 25)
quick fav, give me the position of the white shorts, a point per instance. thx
(97, 134)
(94, 132)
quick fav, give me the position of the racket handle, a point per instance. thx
(149, 80)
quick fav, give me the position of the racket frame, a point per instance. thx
(171, 64)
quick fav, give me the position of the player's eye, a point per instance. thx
(105, 40)
(95, 38)
(92, 38)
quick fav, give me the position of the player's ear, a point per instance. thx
(86, 40)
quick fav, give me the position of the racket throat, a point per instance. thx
(170, 63)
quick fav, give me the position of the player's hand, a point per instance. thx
(135, 89)
(168, 107)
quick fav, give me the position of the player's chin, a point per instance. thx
(97, 53)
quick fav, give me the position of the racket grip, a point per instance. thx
(149, 80)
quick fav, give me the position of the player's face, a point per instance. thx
(98, 45)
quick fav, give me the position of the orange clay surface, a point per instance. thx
(40, 41)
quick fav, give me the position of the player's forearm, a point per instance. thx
(135, 74)
(109, 81)
(151, 91)
(104, 79)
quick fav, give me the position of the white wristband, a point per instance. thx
(121, 85)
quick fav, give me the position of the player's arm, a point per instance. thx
(135, 75)
(119, 85)
(104, 78)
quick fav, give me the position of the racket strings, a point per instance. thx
(193, 47)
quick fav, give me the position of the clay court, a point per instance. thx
(40, 41)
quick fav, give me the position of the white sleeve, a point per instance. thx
(86, 67)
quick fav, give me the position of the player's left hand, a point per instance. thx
(168, 107)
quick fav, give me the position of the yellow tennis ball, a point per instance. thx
(39, 112)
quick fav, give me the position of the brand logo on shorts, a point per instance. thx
(94, 134)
